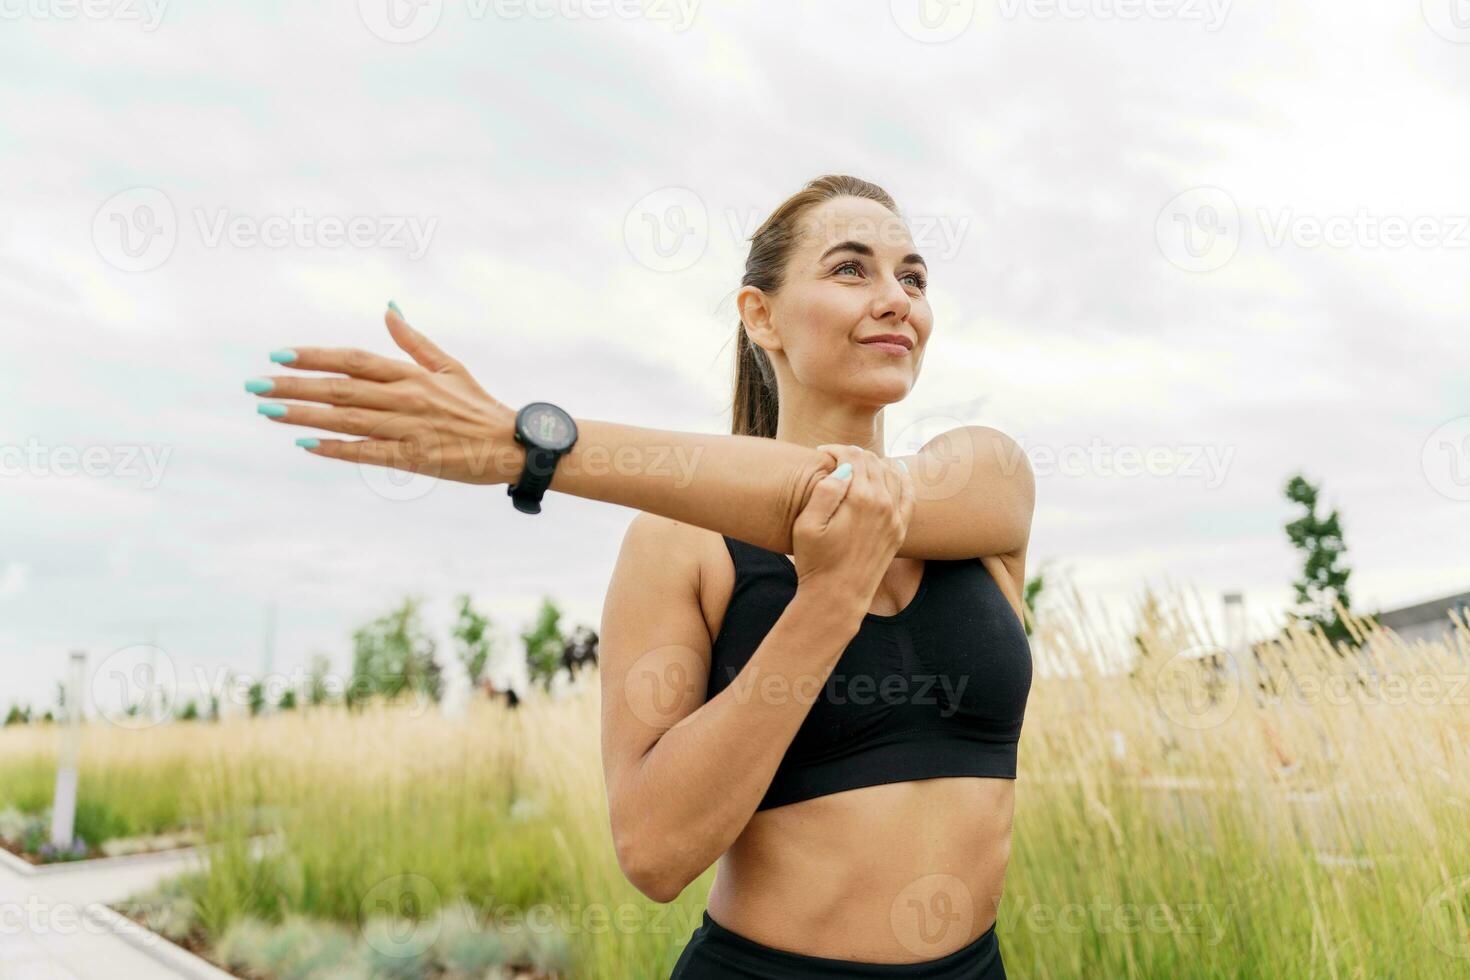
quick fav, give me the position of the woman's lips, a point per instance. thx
(897, 350)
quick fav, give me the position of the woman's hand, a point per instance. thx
(846, 536)
(427, 417)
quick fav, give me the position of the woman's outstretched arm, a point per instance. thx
(974, 490)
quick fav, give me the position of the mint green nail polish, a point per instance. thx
(843, 471)
(904, 465)
(308, 443)
(271, 409)
(283, 356)
(259, 386)
(394, 307)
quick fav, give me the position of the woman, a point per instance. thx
(839, 731)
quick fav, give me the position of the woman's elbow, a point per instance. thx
(649, 869)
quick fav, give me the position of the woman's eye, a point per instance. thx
(917, 277)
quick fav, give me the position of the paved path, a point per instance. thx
(46, 933)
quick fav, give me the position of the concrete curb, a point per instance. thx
(26, 869)
(170, 955)
(174, 855)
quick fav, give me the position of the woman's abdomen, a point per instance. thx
(895, 873)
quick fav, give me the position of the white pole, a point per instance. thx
(1235, 624)
(64, 806)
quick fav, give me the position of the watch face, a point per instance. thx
(547, 426)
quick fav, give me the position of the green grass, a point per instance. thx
(1299, 838)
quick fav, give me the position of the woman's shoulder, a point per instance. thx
(681, 550)
(681, 559)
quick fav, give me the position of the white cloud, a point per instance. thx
(13, 578)
(529, 141)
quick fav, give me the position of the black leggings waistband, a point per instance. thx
(716, 953)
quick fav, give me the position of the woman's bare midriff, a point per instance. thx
(894, 873)
(897, 873)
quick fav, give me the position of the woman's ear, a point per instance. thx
(755, 313)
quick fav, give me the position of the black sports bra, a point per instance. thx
(938, 689)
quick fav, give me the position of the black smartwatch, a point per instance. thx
(547, 432)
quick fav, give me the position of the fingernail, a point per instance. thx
(283, 356)
(843, 471)
(904, 465)
(308, 443)
(394, 307)
(272, 409)
(259, 386)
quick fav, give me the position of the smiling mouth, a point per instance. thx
(891, 347)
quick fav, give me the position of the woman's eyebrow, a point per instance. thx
(913, 258)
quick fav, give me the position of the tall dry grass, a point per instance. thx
(1304, 815)
(1291, 810)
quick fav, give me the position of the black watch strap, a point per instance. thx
(526, 493)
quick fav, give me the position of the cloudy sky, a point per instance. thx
(1180, 250)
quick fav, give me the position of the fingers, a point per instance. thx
(876, 471)
(333, 391)
(423, 350)
(827, 496)
(353, 421)
(375, 452)
(347, 360)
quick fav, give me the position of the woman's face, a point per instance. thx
(853, 275)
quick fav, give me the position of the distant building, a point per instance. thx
(1428, 621)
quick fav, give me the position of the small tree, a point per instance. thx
(393, 654)
(1324, 570)
(544, 644)
(316, 685)
(472, 640)
(255, 697)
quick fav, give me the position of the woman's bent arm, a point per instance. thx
(684, 775)
(974, 487)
